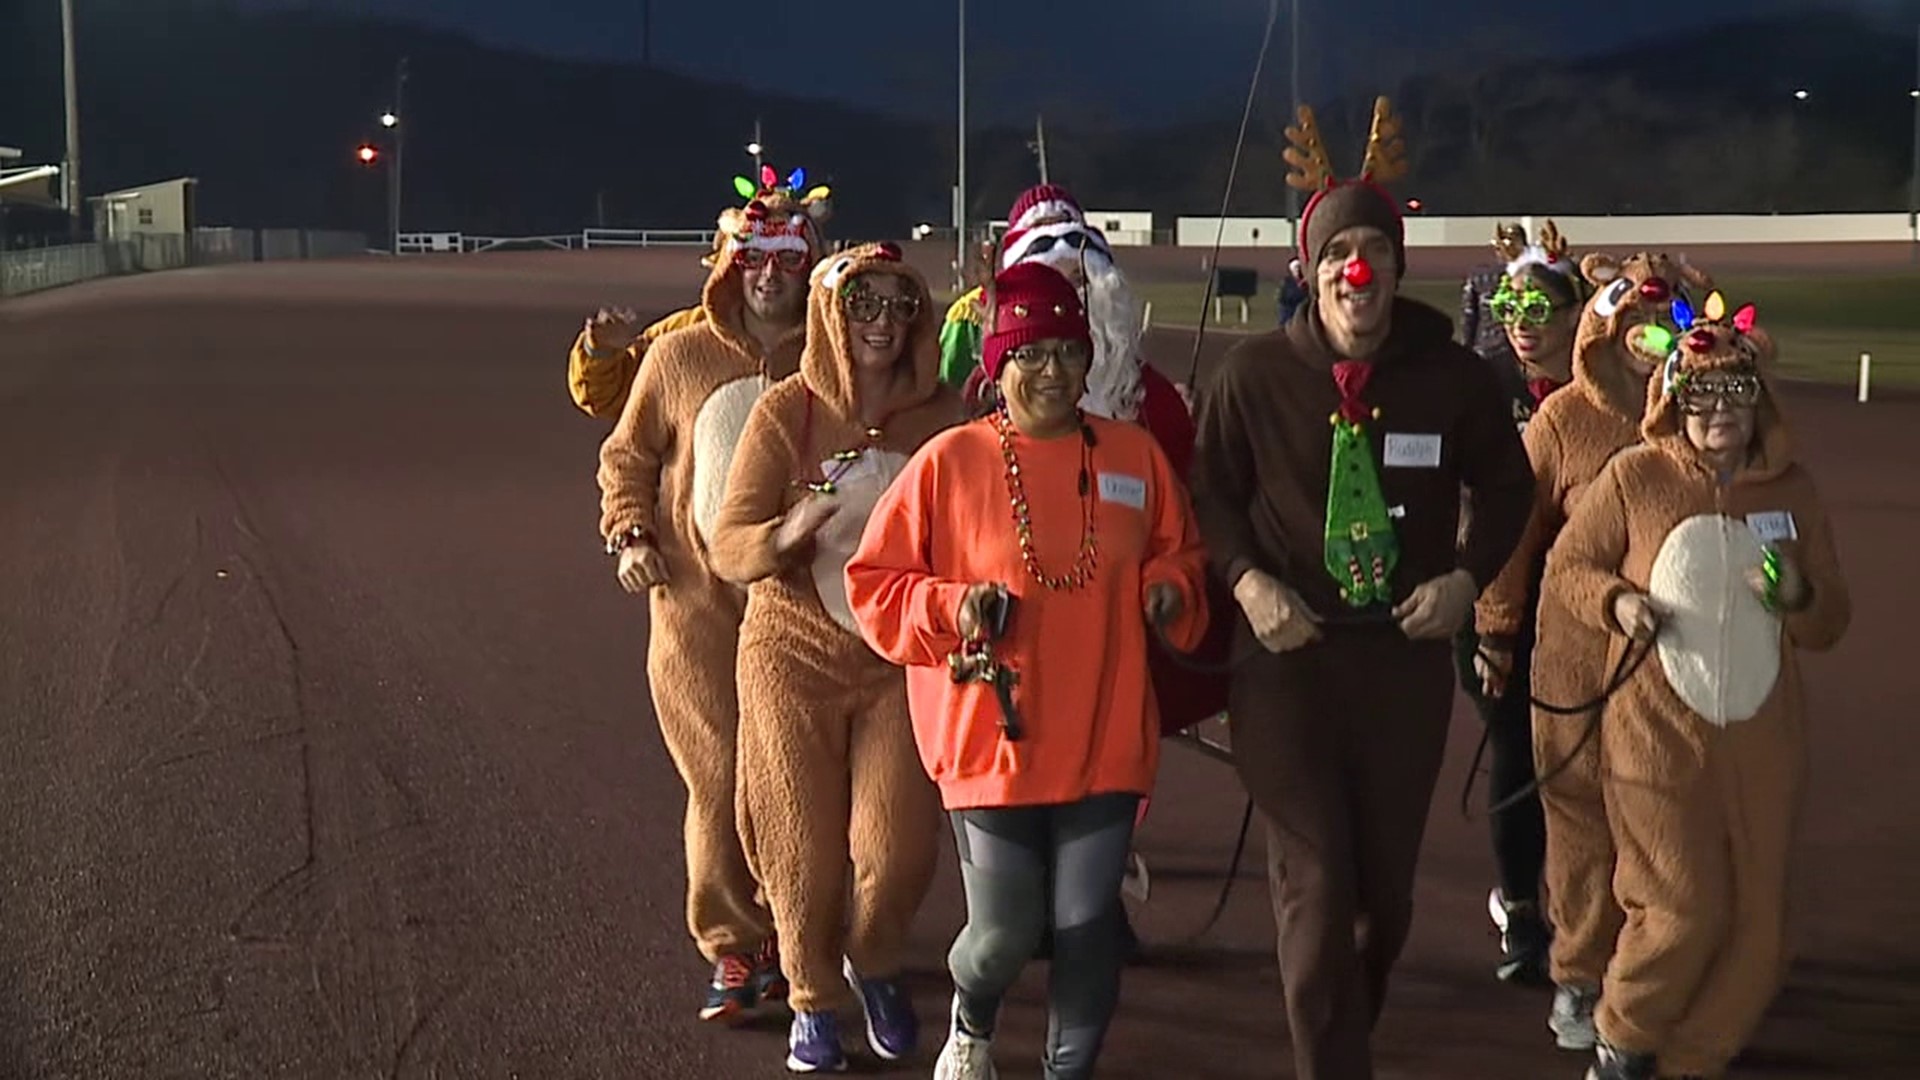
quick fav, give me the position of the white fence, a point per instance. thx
(1611, 231)
(33, 269)
(427, 243)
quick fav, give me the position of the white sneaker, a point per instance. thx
(964, 1057)
(1571, 1020)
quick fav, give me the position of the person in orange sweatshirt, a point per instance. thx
(1618, 343)
(827, 769)
(662, 470)
(1037, 544)
(1709, 545)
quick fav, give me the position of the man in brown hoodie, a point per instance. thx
(1569, 439)
(1353, 585)
(663, 471)
(1712, 543)
(830, 777)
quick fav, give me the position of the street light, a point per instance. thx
(388, 120)
(1800, 94)
(756, 149)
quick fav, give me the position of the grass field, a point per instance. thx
(1822, 324)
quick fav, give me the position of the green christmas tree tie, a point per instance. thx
(1361, 549)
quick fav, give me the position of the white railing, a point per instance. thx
(426, 243)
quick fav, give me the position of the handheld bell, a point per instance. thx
(1359, 273)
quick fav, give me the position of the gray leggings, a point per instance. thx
(1005, 859)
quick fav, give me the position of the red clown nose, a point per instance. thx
(1359, 273)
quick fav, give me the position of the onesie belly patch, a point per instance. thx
(1720, 649)
(858, 485)
(716, 434)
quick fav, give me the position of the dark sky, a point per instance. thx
(1140, 58)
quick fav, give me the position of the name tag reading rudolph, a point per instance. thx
(1411, 451)
(1773, 526)
(1123, 489)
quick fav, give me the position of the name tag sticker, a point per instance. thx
(1412, 451)
(1773, 526)
(1123, 489)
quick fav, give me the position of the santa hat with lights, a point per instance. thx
(776, 218)
(1337, 205)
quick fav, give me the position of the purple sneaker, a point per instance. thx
(813, 1044)
(893, 1029)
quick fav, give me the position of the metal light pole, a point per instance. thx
(1294, 198)
(395, 122)
(70, 171)
(960, 180)
(757, 150)
(1913, 182)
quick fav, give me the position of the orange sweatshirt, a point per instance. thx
(1083, 693)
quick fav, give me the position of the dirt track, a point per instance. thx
(328, 753)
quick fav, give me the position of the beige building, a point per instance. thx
(162, 209)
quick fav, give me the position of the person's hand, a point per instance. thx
(1494, 665)
(1163, 603)
(1439, 608)
(971, 619)
(805, 519)
(1280, 620)
(641, 568)
(1791, 593)
(612, 330)
(1637, 616)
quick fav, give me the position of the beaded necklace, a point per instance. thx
(1089, 555)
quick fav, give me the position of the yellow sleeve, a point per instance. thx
(599, 385)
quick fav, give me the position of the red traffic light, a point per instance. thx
(368, 153)
(1414, 205)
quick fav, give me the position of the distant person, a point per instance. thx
(1711, 546)
(662, 473)
(1529, 647)
(960, 330)
(1056, 541)
(1293, 291)
(1340, 551)
(829, 779)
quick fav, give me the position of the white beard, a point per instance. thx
(1115, 384)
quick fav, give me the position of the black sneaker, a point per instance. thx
(1612, 1064)
(1525, 939)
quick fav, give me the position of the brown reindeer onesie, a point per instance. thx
(1703, 751)
(662, 471)
(1569, 438)
(828, 769)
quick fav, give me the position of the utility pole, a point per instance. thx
(1913, 182)
(70, 171)
(399, 151)
(1040, 145)
(758, 150)
(1293, 71)
(646, 33)
(960, 184)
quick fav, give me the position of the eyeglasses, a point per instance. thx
(868, 307)
(786, 259)
(1524, 308)
(1078, 239)
(1701, 394)
(1071, 355)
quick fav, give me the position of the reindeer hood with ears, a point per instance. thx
(1549, 250)
(1631, 295)
(774, 220)
(1713, 341)
(1337, 205)
(826, 365)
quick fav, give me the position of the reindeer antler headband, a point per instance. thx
(1385, 161)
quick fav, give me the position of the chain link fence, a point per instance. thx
(35, 269)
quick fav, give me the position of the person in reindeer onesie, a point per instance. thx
(662, 471)
(1623, 334)
(1709, 547)
(829, 774)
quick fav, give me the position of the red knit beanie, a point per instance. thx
(1031, 302)
(1043, 201)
